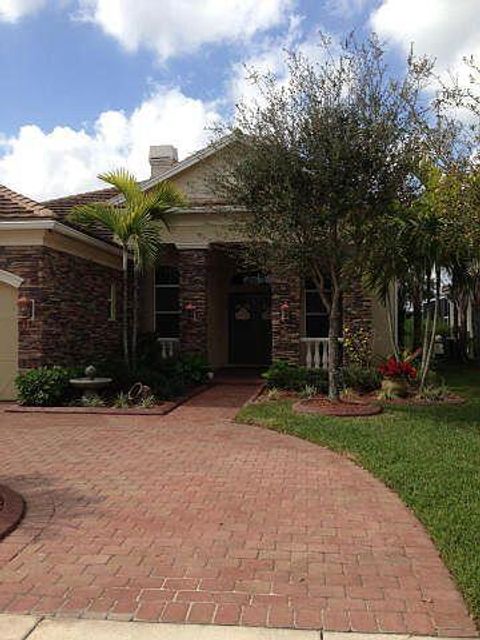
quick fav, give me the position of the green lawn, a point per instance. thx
(429, 455)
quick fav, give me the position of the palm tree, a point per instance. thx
(134, 225)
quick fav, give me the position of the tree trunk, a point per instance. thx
(135, 318)
(125, 307)
(476, 319)
(334, 331)
(430, 332)
(417, 316)
(401, 302)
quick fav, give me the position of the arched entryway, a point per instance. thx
(250, 327)
(9, 284)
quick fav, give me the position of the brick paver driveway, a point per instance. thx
(190, 517)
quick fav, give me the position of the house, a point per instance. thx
(60, 285)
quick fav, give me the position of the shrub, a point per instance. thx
(167, 378)
(361, 379)
(45, 386)
(398, 369)
(357, 346)
(283, 375)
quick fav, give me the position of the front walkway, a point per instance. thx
(192, 518)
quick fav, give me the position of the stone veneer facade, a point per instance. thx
(71, 294)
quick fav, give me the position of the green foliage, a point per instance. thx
(283, 375)
(92, 400)
(148, 402)
(357, 346)
(121, 401)
(44, 387)
(361, 379)
(167, 378)
(428, 455)
(433, 392)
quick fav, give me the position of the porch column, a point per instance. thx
(286, 325)
(193, 274)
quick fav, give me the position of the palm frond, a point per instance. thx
(125, 182)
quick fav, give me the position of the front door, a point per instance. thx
(250, 329)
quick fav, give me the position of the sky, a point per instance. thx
(87, 86)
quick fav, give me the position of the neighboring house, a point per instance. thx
(60, 285)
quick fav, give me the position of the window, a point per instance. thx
(316, 317)
(167, 302)
(112, 302)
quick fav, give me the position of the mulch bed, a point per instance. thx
(158, 410)
(452, 399)
(12, 507)
(323, 406)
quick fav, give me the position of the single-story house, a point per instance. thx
(60, 285)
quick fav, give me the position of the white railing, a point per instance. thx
(168, 347)
(316, 353)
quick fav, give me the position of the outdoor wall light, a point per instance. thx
(26, 308)
(284, 311)
(191, 311)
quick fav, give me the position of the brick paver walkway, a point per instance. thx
(190, 517)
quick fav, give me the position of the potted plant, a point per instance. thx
(397, 376)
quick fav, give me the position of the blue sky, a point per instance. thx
(87, 85)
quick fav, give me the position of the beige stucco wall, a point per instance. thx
(201, 228)
(8, 341)
(381, 338)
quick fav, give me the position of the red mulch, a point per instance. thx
(11, 510)
(323, 406)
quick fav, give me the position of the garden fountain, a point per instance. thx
(90, 384)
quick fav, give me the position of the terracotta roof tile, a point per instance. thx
(14, 205)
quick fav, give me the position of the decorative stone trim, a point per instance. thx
(286, 328)
(194, 267)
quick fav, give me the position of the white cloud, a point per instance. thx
(172, 27)
(13, 10)
(44, 164)
(270, 56)
(445, 29)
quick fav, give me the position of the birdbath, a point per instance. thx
(90, 384)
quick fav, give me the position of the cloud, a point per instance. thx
(445, 29)
(173, 27)
(45, 164)
(270, 56)
(13, 10)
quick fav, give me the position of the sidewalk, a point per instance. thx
(33, 628)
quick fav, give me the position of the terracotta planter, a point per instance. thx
(397, 387)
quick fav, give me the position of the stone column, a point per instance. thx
(286, 331)
(193, 270)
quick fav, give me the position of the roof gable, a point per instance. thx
(15, 205)
(187, 165)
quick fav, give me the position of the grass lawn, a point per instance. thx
(429, 455)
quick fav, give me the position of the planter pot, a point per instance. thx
(397, 388)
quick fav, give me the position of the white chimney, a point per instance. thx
(162, 157)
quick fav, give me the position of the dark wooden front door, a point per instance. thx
(250, 329)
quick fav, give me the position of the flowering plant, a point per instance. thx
(394, 369)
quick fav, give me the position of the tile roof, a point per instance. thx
(63, 206)
(14, 205)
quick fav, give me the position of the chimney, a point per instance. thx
(162, 158)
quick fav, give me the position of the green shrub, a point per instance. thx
(361, 379)
(45, 386)
(283, 375)
(167, 378)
